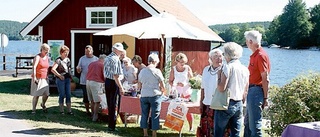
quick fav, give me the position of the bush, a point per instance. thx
(295, 102)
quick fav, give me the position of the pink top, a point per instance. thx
(42, 68)
(95, 71)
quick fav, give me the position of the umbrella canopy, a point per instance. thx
(163, 25)
(160, 26)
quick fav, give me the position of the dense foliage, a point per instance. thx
(297, 27)
(295, 102)
(315, 20)
(12, 29)
(235, 32)
(222, 27)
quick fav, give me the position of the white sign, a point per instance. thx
(4, 40)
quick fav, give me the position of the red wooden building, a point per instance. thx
(75, 21)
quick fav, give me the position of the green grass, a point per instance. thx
(15, 99)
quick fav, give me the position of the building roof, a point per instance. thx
(173, 7)
(50, 7)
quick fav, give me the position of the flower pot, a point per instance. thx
(73, 86)
(195, 95)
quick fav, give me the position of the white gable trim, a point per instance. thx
(147, 7)
(40, 17)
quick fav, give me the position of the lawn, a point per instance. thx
(15, 99)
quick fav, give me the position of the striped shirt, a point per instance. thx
(112, 66)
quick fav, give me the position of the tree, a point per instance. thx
(271, 33)
(295, 27)
(315, 20)
(12, 29)
(243, 28)
(231, 34)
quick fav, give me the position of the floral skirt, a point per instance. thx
(207, 122)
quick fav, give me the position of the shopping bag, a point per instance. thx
(176, 115)
(220, 100)
(118, 120)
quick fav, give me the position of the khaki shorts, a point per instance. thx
(94, 89)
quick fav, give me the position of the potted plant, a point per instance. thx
(195, 84)
(74, 82)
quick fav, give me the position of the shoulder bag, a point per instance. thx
(220, 100)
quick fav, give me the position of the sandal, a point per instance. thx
(44, 108)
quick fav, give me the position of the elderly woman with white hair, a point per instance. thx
(151, 83)
(129, 71)
(208, 86)
(235, 78)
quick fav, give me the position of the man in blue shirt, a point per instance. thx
(112, 70)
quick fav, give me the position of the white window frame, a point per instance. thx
(93, 9)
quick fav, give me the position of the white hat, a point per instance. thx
(118, 46)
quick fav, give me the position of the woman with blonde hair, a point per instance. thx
(39, 82)
(179, 80)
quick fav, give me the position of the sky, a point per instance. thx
(211, 12)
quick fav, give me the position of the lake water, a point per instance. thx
(16, 48)
(285, 64)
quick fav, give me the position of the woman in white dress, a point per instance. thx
(179, 80)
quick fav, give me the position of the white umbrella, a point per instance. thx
(163, 25)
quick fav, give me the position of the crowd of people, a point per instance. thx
(111, 74)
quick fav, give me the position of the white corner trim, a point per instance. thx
(40, 34)
(40, 17)
(146, 6)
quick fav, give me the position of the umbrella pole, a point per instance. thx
(162, 53)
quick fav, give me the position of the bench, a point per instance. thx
(23, 63)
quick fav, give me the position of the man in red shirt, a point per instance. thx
(95, 84)
(257, 98)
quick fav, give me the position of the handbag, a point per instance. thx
(220, 100)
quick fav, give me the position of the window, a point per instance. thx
(101, 17)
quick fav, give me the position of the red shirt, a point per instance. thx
(95, 71)
(42, 68)
(259, 62)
